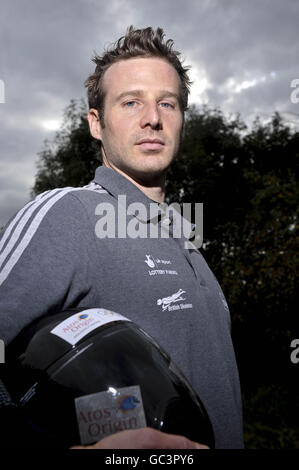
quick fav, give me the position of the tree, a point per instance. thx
(71, 158)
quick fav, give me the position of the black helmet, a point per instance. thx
(86, 373)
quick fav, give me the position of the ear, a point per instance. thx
(94, 124)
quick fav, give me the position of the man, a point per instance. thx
(55, 256)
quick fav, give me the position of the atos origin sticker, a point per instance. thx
(104, 413)
(80, 324)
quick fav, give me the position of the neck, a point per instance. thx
(154, 189)
(155, 192)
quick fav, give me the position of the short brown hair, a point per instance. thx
(136, 43)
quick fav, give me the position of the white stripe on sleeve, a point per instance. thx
(52, 197)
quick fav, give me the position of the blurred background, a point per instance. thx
(239, 155)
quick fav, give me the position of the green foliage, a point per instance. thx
(268, 424)
(71, 159)
(246, 180)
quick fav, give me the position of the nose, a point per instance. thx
(151, 117)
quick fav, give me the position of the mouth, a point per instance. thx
(150, 144)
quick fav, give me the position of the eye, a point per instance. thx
(167, 105)
(130, 104)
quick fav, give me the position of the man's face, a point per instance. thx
(142, 118)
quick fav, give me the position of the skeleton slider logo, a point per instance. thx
(167, 302)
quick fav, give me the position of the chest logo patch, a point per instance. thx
(158, 266)
(170, 303)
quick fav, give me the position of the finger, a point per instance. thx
(146, 438)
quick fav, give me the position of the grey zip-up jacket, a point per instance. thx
(53, 257)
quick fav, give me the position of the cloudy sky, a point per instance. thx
(243, 53)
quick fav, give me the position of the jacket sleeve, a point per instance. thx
(44, 260)
(19, 430)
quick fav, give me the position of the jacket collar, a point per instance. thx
(118, 185)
